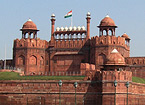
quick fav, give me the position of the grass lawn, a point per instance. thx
(16, 76)
(138, 80)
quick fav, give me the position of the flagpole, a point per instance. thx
(71, 22)
(5, 58)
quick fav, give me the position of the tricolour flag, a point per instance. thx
(69, 14)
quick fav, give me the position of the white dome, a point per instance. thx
(61, 29)
(79, 28)
(70, 29)
(74, 28)
(83, 28)
(88, 14)
(57, 29)
(66, 28)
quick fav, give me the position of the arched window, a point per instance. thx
(33, 60)
(21, 60)
(110, 32)
(104, 32)
(41, 60)
(101, 59)
(26, 35)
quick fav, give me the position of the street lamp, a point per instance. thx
(115, 84)
(75, 85)
(60, 84)
(127, 85)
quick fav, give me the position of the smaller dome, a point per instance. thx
(79, 28)
(88, 14)
(61, 29)
(66, 28)
(29, 25)
(57, 29)
(107, 21)
(125, 36)
(74, 28)
(53, 16)
(115, 58)
(70, 28)
(83, 28)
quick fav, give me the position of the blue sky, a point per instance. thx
(129, 16)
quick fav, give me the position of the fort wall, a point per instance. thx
(88, 92)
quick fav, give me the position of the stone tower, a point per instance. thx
(29, 51)
(102, 45)
(114, 79)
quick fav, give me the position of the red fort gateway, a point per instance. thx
(103, 59)
(68, 48)
(71, 48)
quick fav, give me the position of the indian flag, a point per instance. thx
(69, 14)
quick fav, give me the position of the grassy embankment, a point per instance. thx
(16, 76)
(138, 80)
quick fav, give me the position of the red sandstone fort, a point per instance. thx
(102, 59)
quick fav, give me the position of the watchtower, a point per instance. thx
(29, 51)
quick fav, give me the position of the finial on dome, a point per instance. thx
(114, 51)
(107, 15)
(29, 19)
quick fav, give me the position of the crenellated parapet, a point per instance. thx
(30, 43)
(70, 44)
(117, 75)
(135, 60)
(109, 40)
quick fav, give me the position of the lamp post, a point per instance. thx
(60, 84)
(115, 84)
(127, 85)
(75, 85)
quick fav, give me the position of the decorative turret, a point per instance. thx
(88, 25)
(107, 24)
(127, 39)
(52, 28)
(29, 28)
(115, 61)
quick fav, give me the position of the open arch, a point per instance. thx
(110, 32)
(104, 32)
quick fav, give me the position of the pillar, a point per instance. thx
(88, 25)
(52, 28)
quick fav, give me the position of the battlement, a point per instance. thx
(117, 75)
(135, 60)
(70, 43)
(108, 40)
(32, 43)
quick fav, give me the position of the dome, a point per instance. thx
(107, 21)
(115, 58)
(125, 36)
(29, 25)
